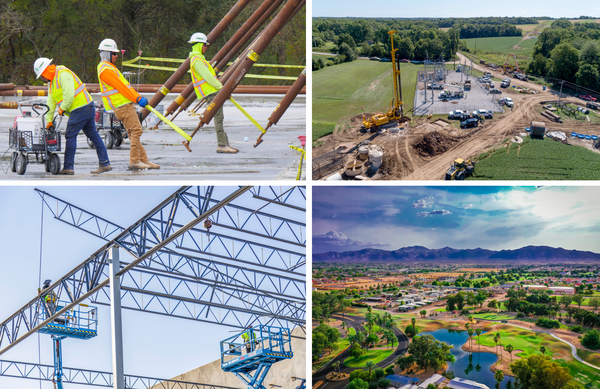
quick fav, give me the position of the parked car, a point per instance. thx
(506, 101)
(405, 60)
(374, 58)
(505, 83)
(484, 113)
(495, 91)
(473, 122)
(385, 60)
(588, 97)
(435, 86)
(456, 114)
(491, 84)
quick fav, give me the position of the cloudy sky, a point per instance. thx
(458, 8)
(388, 218)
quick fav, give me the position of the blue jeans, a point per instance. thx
(83, 119)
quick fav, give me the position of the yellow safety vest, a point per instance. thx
(82, 97)
(201, 87)
(111, 97)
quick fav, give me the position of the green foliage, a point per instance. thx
(411, 330)
(591, 339)
(358, 384)
(539, 160)
(429, 352)
(383, 383)
(356, 351)
(547, 323)
(347, 53)
(324, 337)
(540, 372)
(564, 62)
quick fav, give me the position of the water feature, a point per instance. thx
(471, 366)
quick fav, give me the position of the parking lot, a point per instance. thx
(474, 99)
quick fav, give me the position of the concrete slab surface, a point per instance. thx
(271, 160)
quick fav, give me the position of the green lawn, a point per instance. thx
(351, 331)
(340, 91)
(372, 355)
(526, 340)
(582, 373)
(340, 346)
(592, 357)
(538, 160)
(503, 44)
(492, 316)
(326, 48)
(527, 44)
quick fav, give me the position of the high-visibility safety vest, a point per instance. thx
(201, 87)
(111, 97)
(82, 97)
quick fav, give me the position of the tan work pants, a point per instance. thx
(127, 114)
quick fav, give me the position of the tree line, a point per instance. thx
(70, 31)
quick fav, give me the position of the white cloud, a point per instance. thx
(426, 202)
(339, 239)
(388, 209)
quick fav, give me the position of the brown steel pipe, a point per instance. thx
(284, 104)
(221, 59)
(7, 86)
(245, 64)
(185, 66)
(9, 105)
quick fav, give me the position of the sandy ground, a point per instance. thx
(424, 150)
(271, 160)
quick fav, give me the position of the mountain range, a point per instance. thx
(420, 253)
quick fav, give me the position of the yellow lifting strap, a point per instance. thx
(301, 158)
(242, 110)
(164, 119)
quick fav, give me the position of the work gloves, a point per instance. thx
(142, 101)
(60, 111)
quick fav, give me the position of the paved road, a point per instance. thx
(356, 323)
(573, 348)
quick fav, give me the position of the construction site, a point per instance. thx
(266, 122)
(458, 115)
(205, 288)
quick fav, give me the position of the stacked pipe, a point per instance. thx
(243, 65)
(182, 70)
(284, 104)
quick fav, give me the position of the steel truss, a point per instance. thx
(93, 378)
(248, 269)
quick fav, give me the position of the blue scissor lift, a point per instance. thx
(80, 322)
(255, 350)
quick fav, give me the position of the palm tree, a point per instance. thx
(478, 332)
(543, 350)
(471, 332)
(496, 348)
(498, 376)
(414, 322)
(510, 349)
(336, 365)
(467, 326)
(370, 365)
(344, 327)
(499, 341)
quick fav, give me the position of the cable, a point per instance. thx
(40, 285)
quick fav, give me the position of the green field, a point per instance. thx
(351, 331)
(527, 341)
(503, 44)
(527, 44)
(340, 346)
(538, 160)
(582, 373)
(372, 355)
(492, 316)
(592, 357)
(340, 91)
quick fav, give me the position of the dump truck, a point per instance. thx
(460, 170)
(468, 85)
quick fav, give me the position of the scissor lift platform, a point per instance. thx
(255, 350)
(80, 322)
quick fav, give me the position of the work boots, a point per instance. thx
(102, 169)
(226, 149)
(138, 166)
(151, 165)
(68, 172)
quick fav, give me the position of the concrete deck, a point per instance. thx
(271, 160)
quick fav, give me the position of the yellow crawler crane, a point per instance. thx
(396, 111)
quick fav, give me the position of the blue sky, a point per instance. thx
(388, 218)
(458, 8)
(154, 345)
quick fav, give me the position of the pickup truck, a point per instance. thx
(456, 114)
(484, 113)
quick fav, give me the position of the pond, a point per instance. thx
(471, 366)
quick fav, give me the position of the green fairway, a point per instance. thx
(592, 357)
(492, 316)
(503, 44)
(527, 341)
(341, 91)
(538, 160)
(582, 373)
(351, 331)
(372, 355)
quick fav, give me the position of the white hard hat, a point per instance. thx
(40, 65)
(198, 37)
(108, 45)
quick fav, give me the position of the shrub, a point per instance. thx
(577, 329)
(547, 323)
(520, 314)
(591, 339)
(411, 331)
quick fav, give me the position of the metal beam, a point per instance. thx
(94, 378)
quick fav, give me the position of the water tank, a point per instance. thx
(538, 129)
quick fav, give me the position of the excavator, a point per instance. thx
(508, 68)
(396, 111)
(461, 169)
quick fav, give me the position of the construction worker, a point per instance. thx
(67, 91)
(248, 337)
(118, 96)
(206, 86)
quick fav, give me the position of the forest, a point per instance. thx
(70, 31)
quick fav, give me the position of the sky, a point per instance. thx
(154, 345)
(495, 218)
(458, 8)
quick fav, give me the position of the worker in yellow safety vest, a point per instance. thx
(206, 85)
(67, 91)
(118, 96)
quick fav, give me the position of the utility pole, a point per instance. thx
(115, 318)
(560, 94)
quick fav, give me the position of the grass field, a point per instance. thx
(527, 44)
(538, 160)
(340, 91)
(527, 27)
(582, 373)
(340, 346)
(326, 48)
(492, 316)
(527, 341)
(592, 357)
(372, 355)
(351, 331)
(503, 44)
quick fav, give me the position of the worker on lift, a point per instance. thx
(249, 338)
(118, 96)
(206, 86)
(67, 91)
(50, 298)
